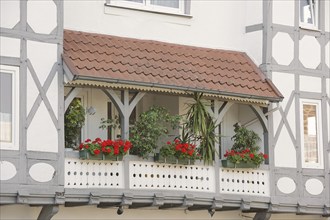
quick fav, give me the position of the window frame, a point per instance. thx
(317, 103)
(14, 144)
(316, 12)
(147, 6)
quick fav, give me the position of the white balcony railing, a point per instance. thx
(244, 181)
(93, 174)
(148, 175)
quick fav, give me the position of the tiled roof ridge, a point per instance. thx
(143, 41)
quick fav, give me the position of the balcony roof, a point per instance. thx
(159, 66)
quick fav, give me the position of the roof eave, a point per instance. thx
(181, 88)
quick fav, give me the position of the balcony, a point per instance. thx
(204, 186)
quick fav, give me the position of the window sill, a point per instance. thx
(149, 10)
(309, 28)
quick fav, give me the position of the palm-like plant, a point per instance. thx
(201, 127)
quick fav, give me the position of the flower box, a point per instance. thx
(229, 164)
(112, 157)
(85, 155)
(173, 160)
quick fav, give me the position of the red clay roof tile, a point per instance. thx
(160, 64)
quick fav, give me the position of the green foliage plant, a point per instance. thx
(150, 126)
(74, 120)
(245, 148)
(201, 127)
(245, 139)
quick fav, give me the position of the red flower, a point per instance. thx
(251, 156)
(88, 140)
(265, 156)
(168, 142)
(97, 151)
(81, 146)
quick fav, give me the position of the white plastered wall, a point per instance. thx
(310, 84)
(285, 152)
(253, 12)
(254, 46)
(10, 47)
(283, 12)
(42, 133)
(9, 13)
(206, 27)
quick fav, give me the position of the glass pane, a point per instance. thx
(6, 117)
(138, 1)
(310, 134)
(166, 3)
(306, 11)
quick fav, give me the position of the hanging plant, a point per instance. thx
(74, 120)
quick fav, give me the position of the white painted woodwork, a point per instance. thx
(7, 170)
(309, 52)
(9, 13)
(285, 152)
(14, 131)
(42, 15)
(93, 174)
(9, 47)
(286, 185)
(283, 12)
(310, 84)
(314, 186)
(158, 176)
(42, 133)
(42, 172)
(283, 48)
(244, 181)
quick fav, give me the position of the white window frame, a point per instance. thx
(147, 6)
(315, 14)
(14, 144)
(317, 103)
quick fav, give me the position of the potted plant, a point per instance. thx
(74, 120)
(104, 149)
(177, 152)
(245, 151)
(200, 128)
(147, 130)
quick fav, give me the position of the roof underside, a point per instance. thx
(164, 66)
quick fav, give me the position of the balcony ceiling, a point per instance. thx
(151, 64)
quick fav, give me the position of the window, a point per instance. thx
(309, 13)
(311, 134)
(165, 6)
(9, 107)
